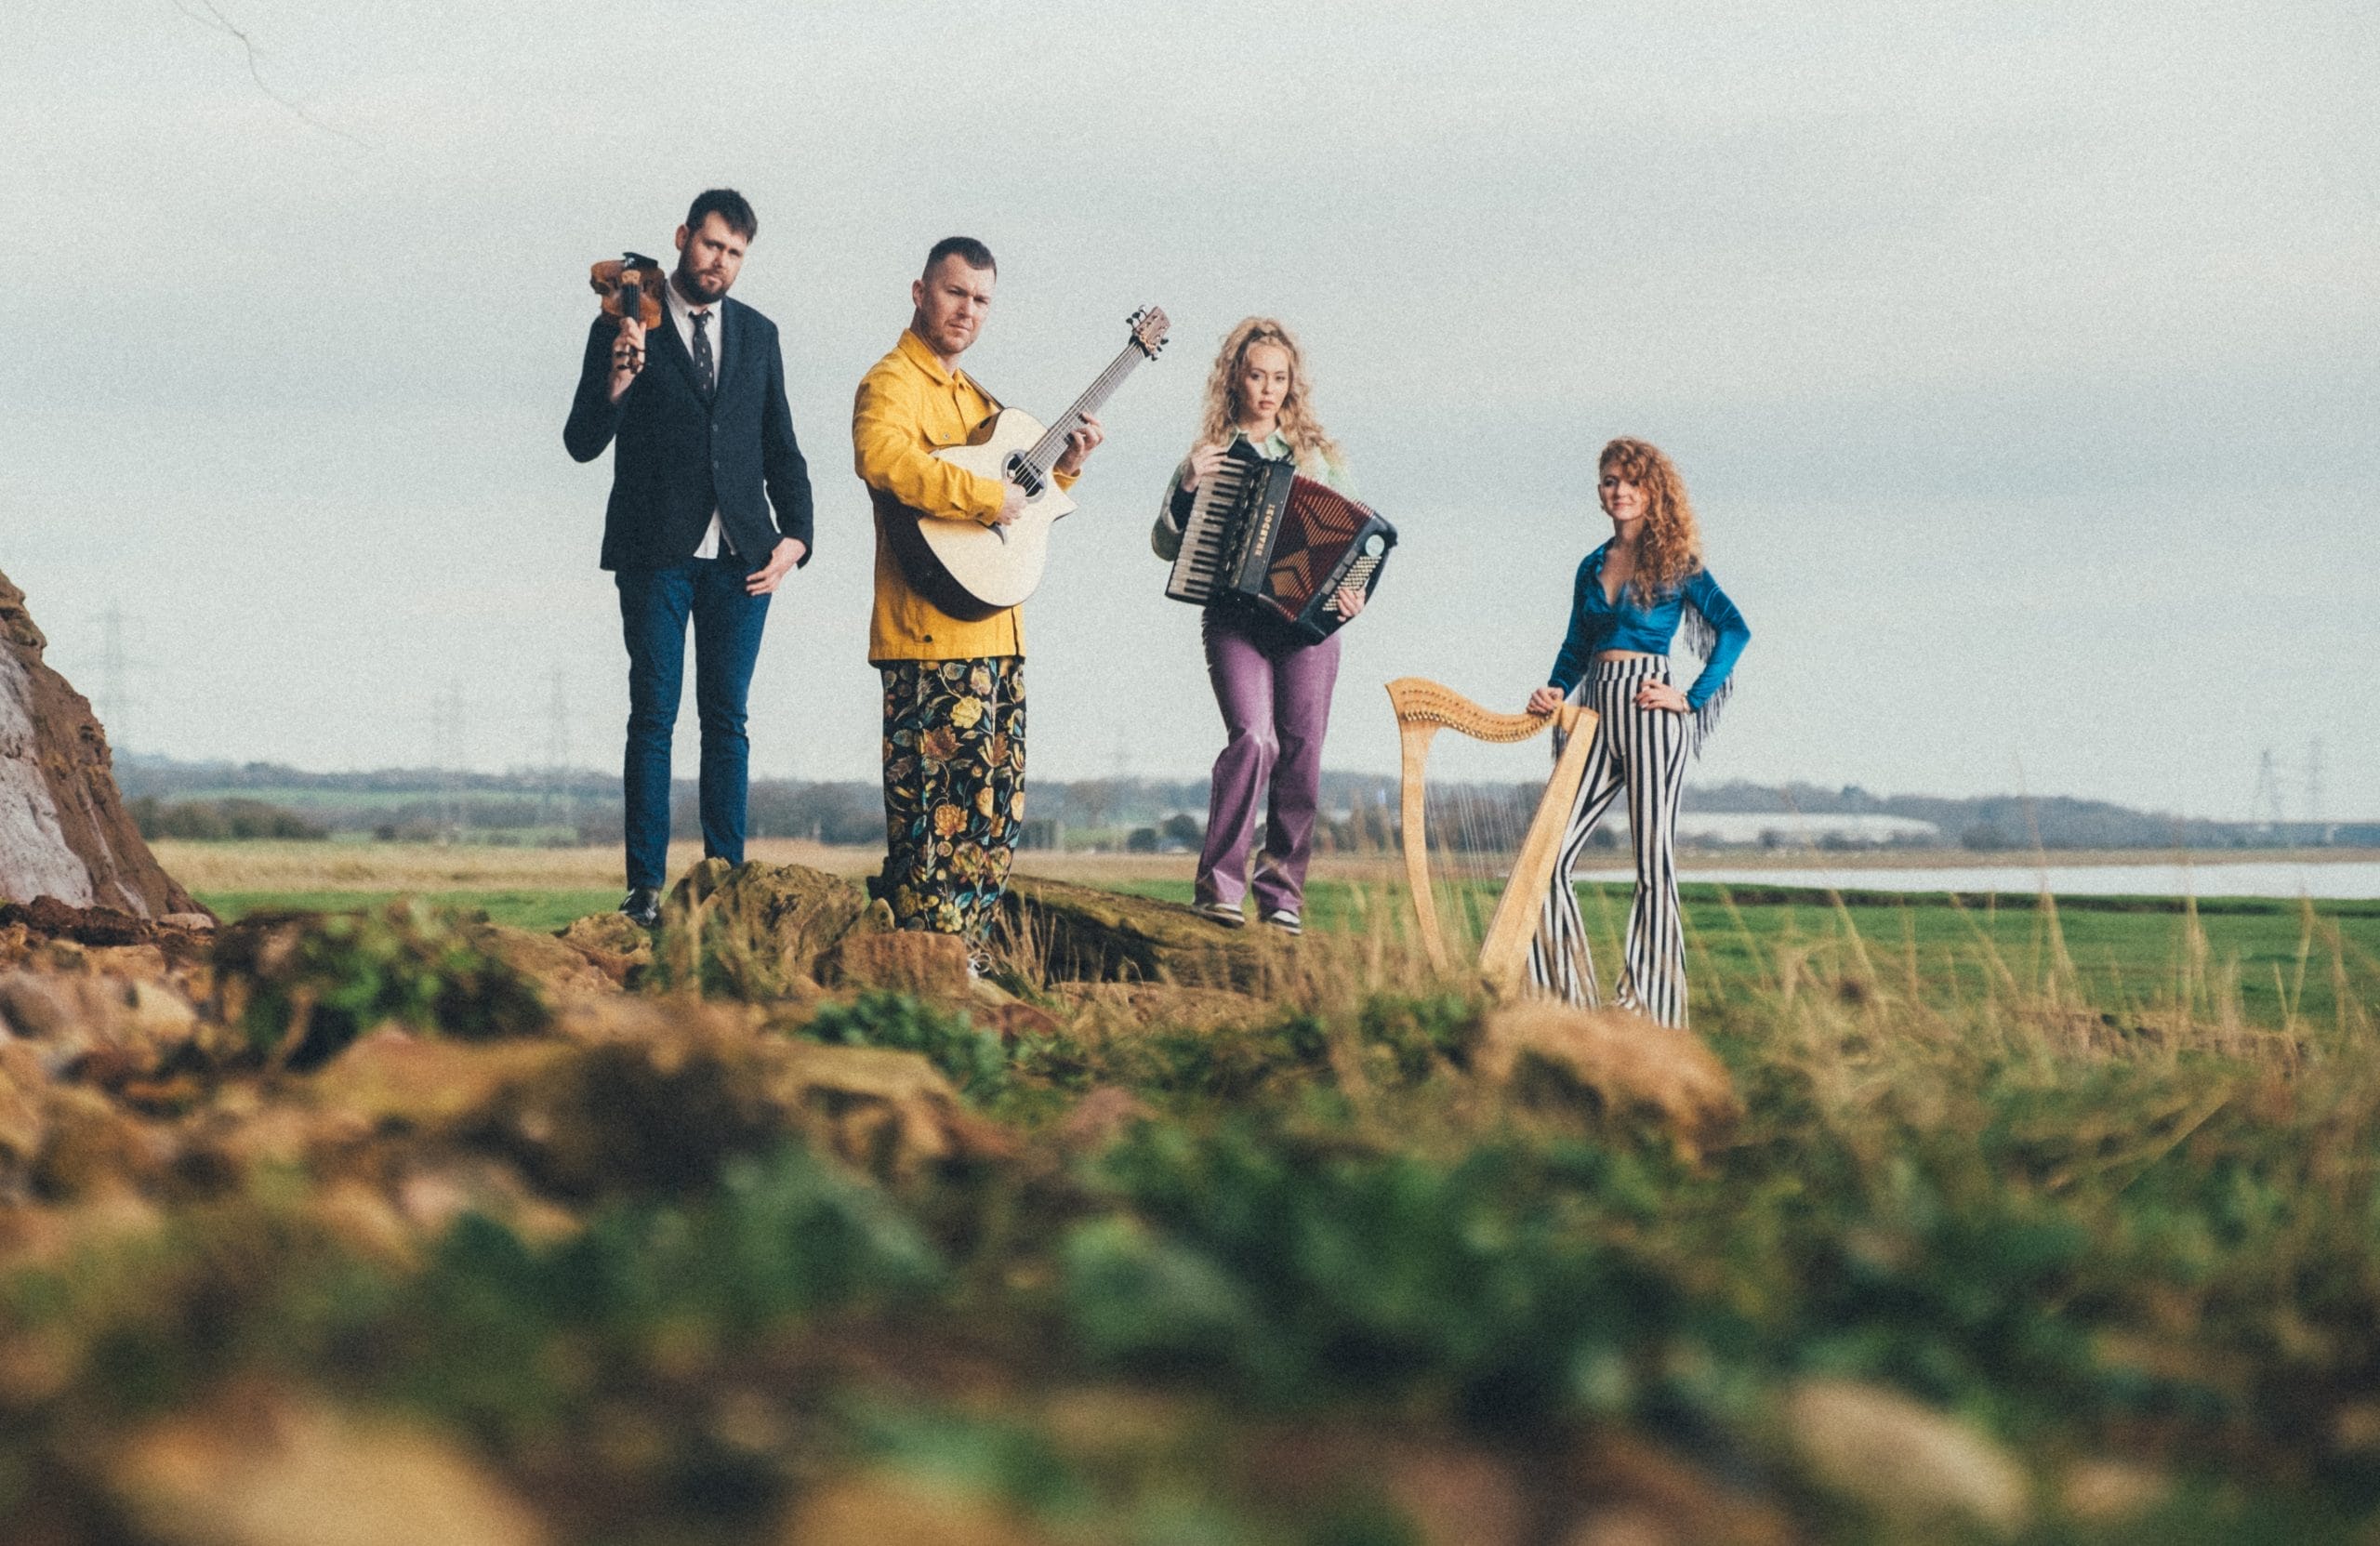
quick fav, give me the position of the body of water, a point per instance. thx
(2356, 881)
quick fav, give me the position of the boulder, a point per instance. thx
(1544, 1054)
(132, 1025)
(262, 1467)
(614, 947)
(553, 963)
(755, 930)
(63, 828)
(1920, 1471)
(931, 966)
(1080, 933)
(24, 1126)
(686, 1086)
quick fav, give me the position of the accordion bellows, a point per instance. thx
(1260, 539)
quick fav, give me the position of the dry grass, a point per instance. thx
(317, 866)
(334, 867)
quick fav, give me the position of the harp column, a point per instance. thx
(1424, 707)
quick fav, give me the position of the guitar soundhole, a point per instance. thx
(1021, 473)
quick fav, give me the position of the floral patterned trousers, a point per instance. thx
(954, 790)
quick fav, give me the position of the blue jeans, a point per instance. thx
(654, 606)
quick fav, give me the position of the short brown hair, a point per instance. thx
(730, 206)
(966, 249)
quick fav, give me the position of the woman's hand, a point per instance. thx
(1204, 460)
(1351, 601)
(1545, 700)
(1660, 694)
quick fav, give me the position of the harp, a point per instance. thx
(1423, 709)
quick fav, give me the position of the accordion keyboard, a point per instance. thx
(1358, 576)
(1210, 532)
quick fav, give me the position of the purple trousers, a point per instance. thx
(1274, 693)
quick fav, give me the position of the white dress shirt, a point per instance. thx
(682, 313)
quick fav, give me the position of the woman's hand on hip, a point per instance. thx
(1545, 700)
(1660, 694)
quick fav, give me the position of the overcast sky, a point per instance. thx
(2021, 358)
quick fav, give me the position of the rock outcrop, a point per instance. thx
(1081, 933)
(63, 828)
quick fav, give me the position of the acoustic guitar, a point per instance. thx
(972, 570)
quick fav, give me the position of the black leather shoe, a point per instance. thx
(642, 907)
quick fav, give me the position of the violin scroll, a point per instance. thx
(631, 285)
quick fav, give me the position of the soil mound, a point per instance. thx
(63, 829)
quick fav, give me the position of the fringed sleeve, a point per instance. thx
(1717, 632)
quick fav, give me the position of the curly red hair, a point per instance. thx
(1668, 549)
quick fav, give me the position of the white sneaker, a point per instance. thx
(1225, 913)
(1284, 920)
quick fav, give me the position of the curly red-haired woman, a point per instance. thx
(1632, 597)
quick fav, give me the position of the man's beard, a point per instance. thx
(696, 289)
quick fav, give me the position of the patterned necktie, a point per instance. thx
(705, 373)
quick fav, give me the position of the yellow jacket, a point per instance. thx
(909, 407)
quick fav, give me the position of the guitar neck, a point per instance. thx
(1052, 444)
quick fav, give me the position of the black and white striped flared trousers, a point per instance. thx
(1643, 751)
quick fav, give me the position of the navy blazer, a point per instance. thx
(681, 455)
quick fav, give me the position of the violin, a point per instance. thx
(631, 285)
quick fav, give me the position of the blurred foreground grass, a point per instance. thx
(2071, 1179)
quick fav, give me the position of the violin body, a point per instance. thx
(631, 285)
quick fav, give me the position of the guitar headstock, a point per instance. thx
(1150, 326)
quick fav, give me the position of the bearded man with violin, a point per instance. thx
(709, 512)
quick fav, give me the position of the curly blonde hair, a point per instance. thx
(1221, 413)
(1668, 547)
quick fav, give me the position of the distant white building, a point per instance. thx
(1795, 829)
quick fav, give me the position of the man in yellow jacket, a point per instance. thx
(954, 688)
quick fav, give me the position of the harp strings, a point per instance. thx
(1475, 829)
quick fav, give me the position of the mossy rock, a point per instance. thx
(1080, 933)
(754, 931)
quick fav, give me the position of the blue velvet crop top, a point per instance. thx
(1715, 630)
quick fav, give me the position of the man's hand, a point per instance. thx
(765, 579)
(1351, 601)
(1545, 700)
(1080, 444)
(1204, 460)
(1011, 505)
(628, 355)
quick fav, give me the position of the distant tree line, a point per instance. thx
(1359, 811)
(223, 821)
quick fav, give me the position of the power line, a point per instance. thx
(447, 740)
(561, 806)
(2265, 804)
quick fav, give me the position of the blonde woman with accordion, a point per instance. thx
(1272, 686)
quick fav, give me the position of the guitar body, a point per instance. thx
(972, 570)
(985, 569)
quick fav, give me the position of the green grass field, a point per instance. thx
(521, 907)
(2278, 959)
(2120, 955)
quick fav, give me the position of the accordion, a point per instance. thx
(1264, 540)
